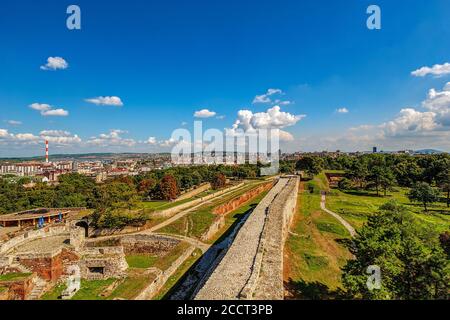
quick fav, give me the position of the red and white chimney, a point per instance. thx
(46, 151)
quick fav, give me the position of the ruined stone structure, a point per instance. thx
(255, 259)
(48, 254)
(103, 263)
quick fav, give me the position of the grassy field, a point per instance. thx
(196, 223)
(314, 252)
(141, 261)
(14, 276)
(357, 206)
(164, 205)
(90, 290)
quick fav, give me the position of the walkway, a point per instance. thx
(344, 222)
(232, 273)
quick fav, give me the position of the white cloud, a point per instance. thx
(55, 63)
(205, 113)
(438, 100)
(111, 139)
(59, 137)
(14, 122)
(47, 110)
(4, 133)
(106, 101)
(410, 122)
(152, 141)
(410, 129)
(285, 136)
(40, 106)
(220, 117)
(265, 98)
(56, 137)
(55, 113)
(273, 118)
(436, 70)
(342, 110)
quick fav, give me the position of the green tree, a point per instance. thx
(411, 260)
(312, 165)
(443, 180)
(423, 193)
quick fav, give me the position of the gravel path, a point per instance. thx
(344, 222)
(235, 269)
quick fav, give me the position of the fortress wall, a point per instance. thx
(32, 235)
(229, 207)
(269, 279)
(170, 212)
(235, 203)
(238, 263)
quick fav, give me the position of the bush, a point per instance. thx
(345, 184)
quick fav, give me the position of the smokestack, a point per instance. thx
(46, 151)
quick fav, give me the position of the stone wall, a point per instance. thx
(163, 276)
(170, 212)
(140, 243)
(77, 237)
(252, 268)
(267, 278)
(224, 209)
(238, 201)
(103, 263)
(194, 192)
(229, 276)
(156, 245)
(48, 266)
(32, 235)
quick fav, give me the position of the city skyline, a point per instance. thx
(131, 76)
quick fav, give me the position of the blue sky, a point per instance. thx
(166, 60)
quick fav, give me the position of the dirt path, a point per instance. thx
(344, 222)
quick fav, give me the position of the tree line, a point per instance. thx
(75, 190)
(426, 175)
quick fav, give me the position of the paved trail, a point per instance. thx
(347, 225)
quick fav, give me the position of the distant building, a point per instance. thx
(375, 150)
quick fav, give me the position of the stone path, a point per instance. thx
(232, 274)
(344, 222)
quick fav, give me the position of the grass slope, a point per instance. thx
(314, 252)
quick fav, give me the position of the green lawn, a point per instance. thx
(141, 261)
(15, 276)
(314, 251)
(90, 290)
(196, 223)
(356, 206)
(164, 205)
(129, 288)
